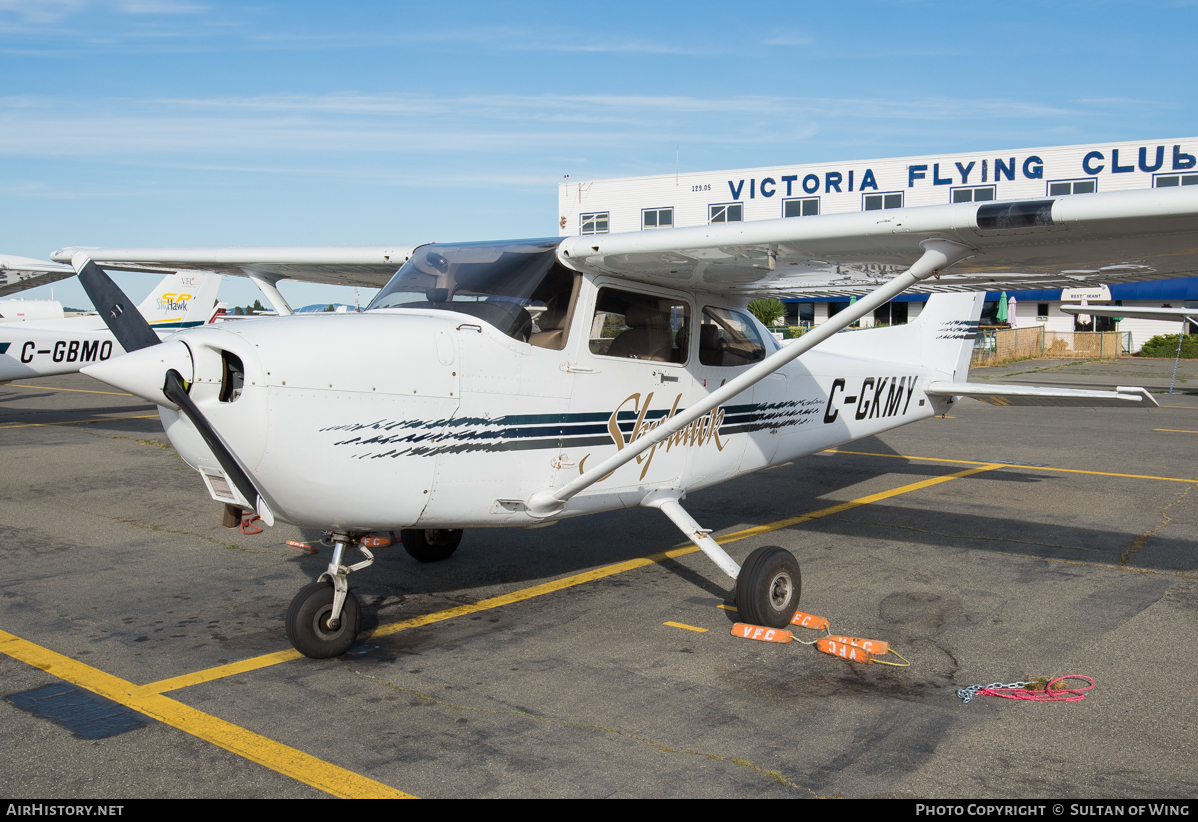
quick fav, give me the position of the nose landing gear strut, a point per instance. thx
(325, 616)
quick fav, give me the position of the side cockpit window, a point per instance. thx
(518, 287)
(552, 307)
(728, 338)
(640, 327)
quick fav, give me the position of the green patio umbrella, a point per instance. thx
(1001, 316)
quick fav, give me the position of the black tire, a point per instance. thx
(431, 545)
(768, 588)
(307, 622)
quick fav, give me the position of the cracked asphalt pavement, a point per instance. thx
(115, 557)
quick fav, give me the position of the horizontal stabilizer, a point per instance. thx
(1122, 397)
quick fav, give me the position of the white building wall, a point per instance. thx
(1141, 330)
(841, 186)
(925, 180)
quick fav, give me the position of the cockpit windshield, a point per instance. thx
(518, 287)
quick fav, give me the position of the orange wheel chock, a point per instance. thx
(376, 542)
(817, 623)
(844, 651)
(760, 632)
(877, 647)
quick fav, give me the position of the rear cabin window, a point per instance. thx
(728, 338)
(640, 326)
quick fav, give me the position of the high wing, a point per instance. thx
(1058, 242)
(20, 273)
(369, 266)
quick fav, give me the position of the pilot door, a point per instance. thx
(630, 377)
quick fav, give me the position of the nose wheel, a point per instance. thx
(309, 621)
(324, 618)
(768, 587)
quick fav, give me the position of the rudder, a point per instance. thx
(948, 325)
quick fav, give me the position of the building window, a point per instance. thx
(657, 218)
(1060, 188)
(977, 194)
(805, 207)
(1042, 311)
(836, 308)
(730, 213)
(877, 202)
(1167, 180)
(594, 223)
(891, 314)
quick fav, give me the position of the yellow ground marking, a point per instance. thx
(1176, 430)
(1014, 465)
(529, 593)
(845, 506)
(245, 743)
(1129, 568)
(1189, 407)
(111, 393)
(267, 660)
(219, 672)
(686, 627)
(79, 422)
(727, 607)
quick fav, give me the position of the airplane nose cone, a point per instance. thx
(143, 372)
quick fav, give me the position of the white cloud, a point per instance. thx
(40, 11)
(159, 7)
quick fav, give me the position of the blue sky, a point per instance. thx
(148, 122)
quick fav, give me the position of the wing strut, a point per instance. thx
(937, 254)
(268, 285)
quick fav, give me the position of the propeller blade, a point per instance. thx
(176, 392)
(119, 312)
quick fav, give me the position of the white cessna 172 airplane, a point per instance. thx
(519, 383)
(47, 347)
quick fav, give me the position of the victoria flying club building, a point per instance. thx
(806, 191)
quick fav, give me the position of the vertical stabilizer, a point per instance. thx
(948, 325)
(941, 337)
(182, 300)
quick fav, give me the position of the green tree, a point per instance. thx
(768, 312)
(330, 308)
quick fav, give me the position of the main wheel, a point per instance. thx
(768, 588)
(431, 545)
(308, 622)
